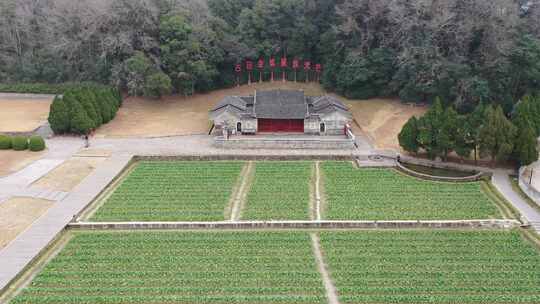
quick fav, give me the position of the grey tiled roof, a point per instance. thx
(233, 101)
(280, 104)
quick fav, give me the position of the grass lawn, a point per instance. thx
(384, 194)
(180, 267)
(432, 267)
(280, 191)
(172, 191)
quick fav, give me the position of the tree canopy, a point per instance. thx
(464, 52)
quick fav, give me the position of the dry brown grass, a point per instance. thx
(381, 119)
(178, 115)
(18, 213)
(13, 161)
(23, 115)
(69, 174)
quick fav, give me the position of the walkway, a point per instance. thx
(501, 181)
(27, 246)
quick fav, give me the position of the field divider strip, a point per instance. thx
(224, 225)
(317, 190)
(241, 193)
(331, 292)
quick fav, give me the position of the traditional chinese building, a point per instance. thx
(281, 111)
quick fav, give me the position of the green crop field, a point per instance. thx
(180, 267)
(172, 191)
(432, 267)
(280, 191)
(384, 194)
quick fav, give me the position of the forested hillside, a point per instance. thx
(462, 51)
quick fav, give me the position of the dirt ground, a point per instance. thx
(382, 119)
(178, 115)
(13, 161)
(69, 174)
(379, 119)
(18, 213)
(23, 115)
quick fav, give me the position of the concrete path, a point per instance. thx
(502, 182)
(202, 145)
(28, 245)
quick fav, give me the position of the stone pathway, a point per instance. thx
(501, 181)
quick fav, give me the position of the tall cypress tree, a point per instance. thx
(408, 137)
(497, 135)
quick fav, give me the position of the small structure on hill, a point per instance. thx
(281, 111)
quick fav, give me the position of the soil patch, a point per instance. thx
(23, 115)
(381, 119)
(13, 161)
(179, 115)
(18, 213)
(69, 174)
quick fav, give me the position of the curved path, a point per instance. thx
(501, 181)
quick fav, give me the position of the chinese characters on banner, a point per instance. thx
(307, 69)
(249, 68)
(308, 66)
(283, 65)
(238, 70)
(295, 65)
(272, 66)
(260, 66)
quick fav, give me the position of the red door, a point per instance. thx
(280, 125)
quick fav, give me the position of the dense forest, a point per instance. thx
(463, 51)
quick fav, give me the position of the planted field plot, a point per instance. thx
(172, 191)
(180, 267)
(280, 191)
(432, 267)
(384, 194)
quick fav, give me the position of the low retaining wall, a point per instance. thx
(224, 225)
(531, 192)
(243, 157)
(284, 143)
(471, 178)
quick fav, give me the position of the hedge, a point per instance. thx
(41, 88)
(84, 108)
(5, 142)
(36, 143)
(19, 143)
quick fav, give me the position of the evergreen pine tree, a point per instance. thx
(80, 121)
(408, 137)
(526, 146)
(497, 135)
(59, 117)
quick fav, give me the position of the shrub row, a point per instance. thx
(40, 88)
(84, 108)
(20, 143)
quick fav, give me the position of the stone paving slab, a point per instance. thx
(28, 245)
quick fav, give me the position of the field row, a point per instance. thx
(205, 191)
(280, 267)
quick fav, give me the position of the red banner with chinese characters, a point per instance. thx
(307, 65)
(295, 63)
(249, 65)
(272, 62)
(238, 68)
(283, 62)
(260, 64)
(318, 67)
